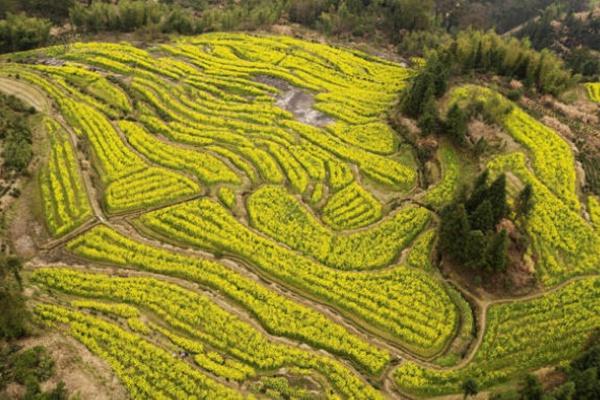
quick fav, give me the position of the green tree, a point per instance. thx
(410, 14)
(428, 120)
(483, 218)
(19, 32)
(17, 152)
(564, 392)
(474, 251)
(525, 200)
(482, 179)
(13, 314)
(454, 229)
(497, 197)
(306, 11)
(419, 91)
(53, 9)
(439, 70)
(496, 252)
(456, 125)
(478, 195)
(470, 387)
(531, 388)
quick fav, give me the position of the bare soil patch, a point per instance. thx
(25, 93)
(83, 373)
(296, 101)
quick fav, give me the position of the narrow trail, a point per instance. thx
(26, 93)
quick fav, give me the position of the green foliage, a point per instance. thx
(583, 378)
(428, 120)
(472, 254)
(20, 32)
(416, 43)
(454, 230)
(483, 217)
(468, 227)
(29, 368)
(306, 11)
(585, 62)
(419, 99)
(131, 15)
(456, 124)
(278, 387)
(497, 197)
(13, 314)
(32, 364)
(525, 200)
(496, 252)
(488, 52)
(470, 387)
(531, 388)
(52, 9)
(16, 134)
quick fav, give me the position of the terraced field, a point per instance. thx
(217, 240)
(593, 90)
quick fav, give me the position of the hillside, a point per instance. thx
(289, 214)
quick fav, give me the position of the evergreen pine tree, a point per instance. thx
(478, 195)
(482, 179)
(532, 388)
(474, 251)
(429, 115)
(478, 58)
(496, 252)
(456, 124)
(482, 218)
(497, 197)
(439, 72)
(470, 387)
(454, 228)
(418, 93)
(525, 200)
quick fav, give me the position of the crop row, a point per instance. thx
(419, 255)
(406, 304)
(197, 316)
(276, 213)
(351, 207)
(146, 370)
(130, 181)
(206, 167)
(147, 187)
(278, 314)
(376, 137)
(594, 211)
(520, 336)
(92, 83)
(66, 204)
(384, 170)
(593, 90)
(562, 241)
(446, 189)
(259, 118)
(552, 158)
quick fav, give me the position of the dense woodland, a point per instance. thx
(569, 28)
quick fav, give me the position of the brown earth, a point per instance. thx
(84, 374)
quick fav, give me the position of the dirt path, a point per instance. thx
(85, 375)
(26, 93)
